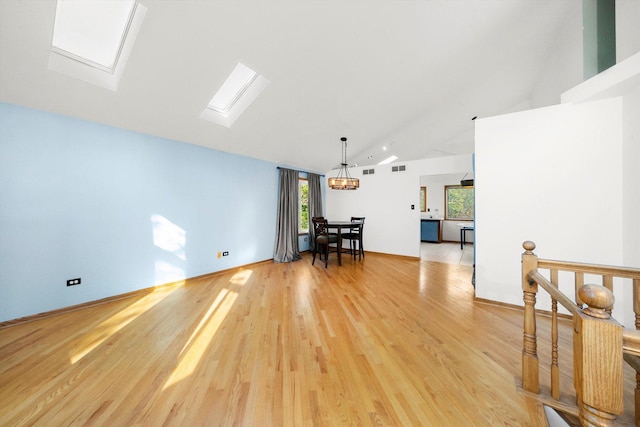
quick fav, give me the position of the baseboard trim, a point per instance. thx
(139, 292)
(412, 258)
(545, 313)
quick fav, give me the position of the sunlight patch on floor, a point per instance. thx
(241, 277)
(199, 341)
(115, 323)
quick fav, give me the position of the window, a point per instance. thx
(423, 199)
(239, 90)
(303, 205)
(232, 89)
(459, 202)
(92, 33)
(92, 40)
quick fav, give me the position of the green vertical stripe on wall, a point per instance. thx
(598, 35)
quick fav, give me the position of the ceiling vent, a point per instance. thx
(400, 168)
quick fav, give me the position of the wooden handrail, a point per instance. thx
(631, 341)
(554, 292)
(600, 343)
(601, 270)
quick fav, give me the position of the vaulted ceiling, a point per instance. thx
(405, 74)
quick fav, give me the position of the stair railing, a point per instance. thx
(600, 343)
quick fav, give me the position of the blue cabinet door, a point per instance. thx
(430, 231)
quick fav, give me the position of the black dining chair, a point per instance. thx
(322, 239)
(354, 235)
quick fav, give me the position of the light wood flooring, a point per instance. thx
(386, 341)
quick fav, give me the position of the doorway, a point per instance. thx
(449, 250)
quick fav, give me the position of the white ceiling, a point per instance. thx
(413, 72)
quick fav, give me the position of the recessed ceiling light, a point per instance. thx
(384, 148)
(388, 160)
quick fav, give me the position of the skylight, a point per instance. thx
(92, 32)
(232, 89)
(238, 91)
(92, 39)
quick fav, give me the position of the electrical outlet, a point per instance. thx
(225, 253)
(73, 282)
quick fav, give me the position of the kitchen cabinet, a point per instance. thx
(431, 230)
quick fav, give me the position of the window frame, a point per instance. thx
(447, 216)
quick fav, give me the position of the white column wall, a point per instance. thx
(631, 193)
(553, 176)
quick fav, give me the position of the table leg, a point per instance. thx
(339, 246)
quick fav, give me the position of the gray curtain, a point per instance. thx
(286, 248)
(315, 204)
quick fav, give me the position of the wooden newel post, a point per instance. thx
(530, 364)
(597, 359)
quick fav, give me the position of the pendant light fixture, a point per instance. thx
(466, 182)
(344, 181)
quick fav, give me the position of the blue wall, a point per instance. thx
(119, 209)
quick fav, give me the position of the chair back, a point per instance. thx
(358, 219)
(319, 225)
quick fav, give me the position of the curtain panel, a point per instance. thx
(286, 247)
(315, 204)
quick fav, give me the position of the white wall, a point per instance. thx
(563, 67)
(385, 199)
(627, 28)
(553, 176)
(594, 140)
(631, 190)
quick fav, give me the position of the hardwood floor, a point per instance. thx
(388, 341)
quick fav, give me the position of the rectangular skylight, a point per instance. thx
(92, 31)
(232, 89)
(238, 91)
(92, 40)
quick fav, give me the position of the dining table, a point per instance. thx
(340, 225)
(464, 227)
